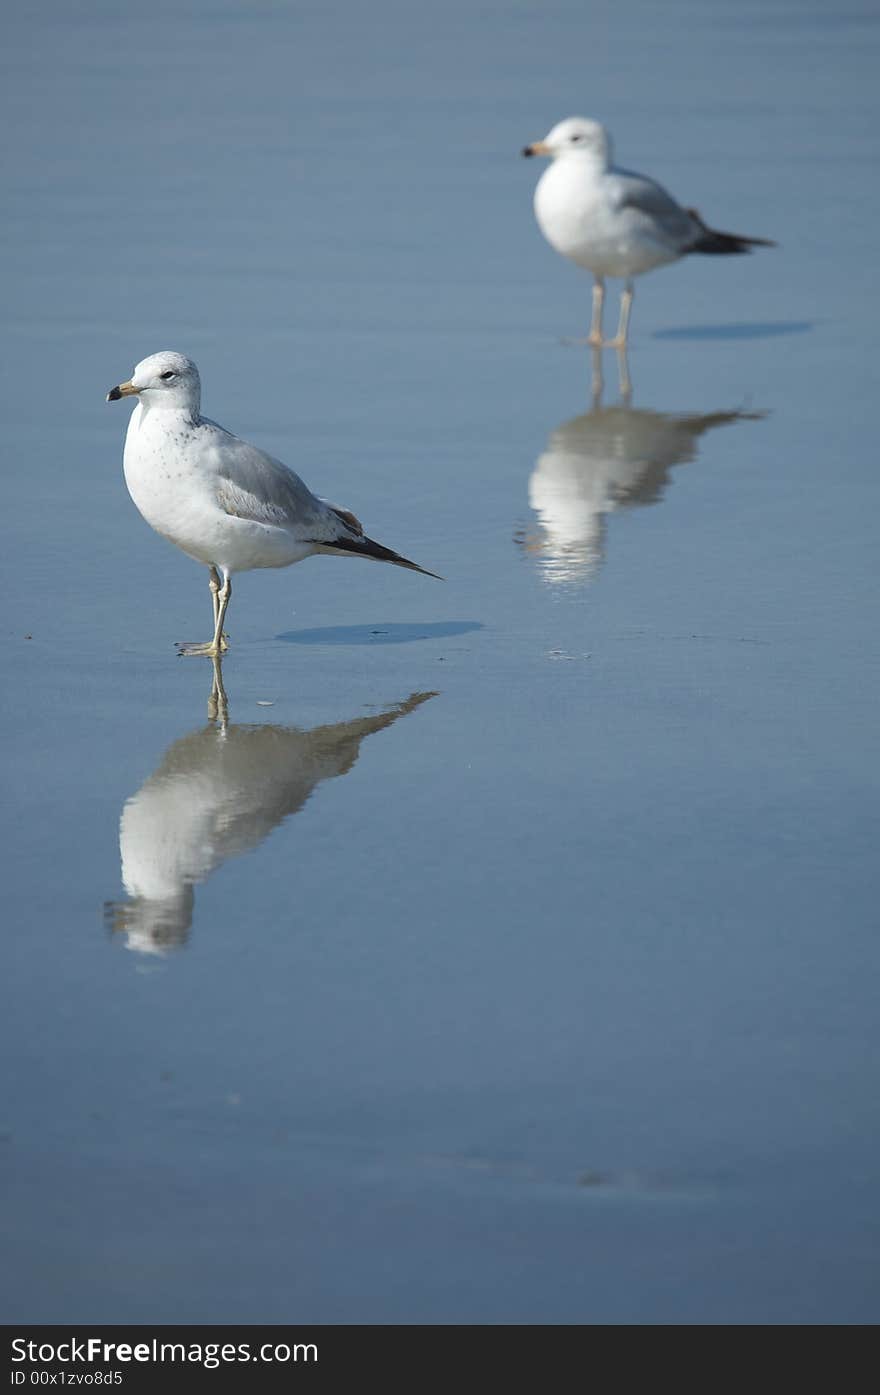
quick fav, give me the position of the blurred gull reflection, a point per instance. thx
(219, 792)
(606, 459)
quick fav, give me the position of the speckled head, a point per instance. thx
(165, 379)
(575, 136)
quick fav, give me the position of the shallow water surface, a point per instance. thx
(494, 950)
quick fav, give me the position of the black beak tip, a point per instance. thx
(114, 395)
(527, 151)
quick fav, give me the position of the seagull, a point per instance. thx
(223, 501)
(613, 222)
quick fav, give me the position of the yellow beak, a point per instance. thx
(123, 390)
(538, 147)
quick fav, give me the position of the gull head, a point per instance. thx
(576, 137)
(165, 379)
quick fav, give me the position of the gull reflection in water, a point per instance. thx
(218, 792)
(607, 459)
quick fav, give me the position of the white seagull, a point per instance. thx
(613, 222)
(223, 501)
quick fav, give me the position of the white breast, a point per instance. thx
(580, 216)
(160, 479)
(174, 485)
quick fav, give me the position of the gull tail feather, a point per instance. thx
(366, 547)
(722, 244)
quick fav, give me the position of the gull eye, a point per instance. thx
(168, 375)
(574, 138)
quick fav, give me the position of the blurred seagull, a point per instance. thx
(223, 501)
(613, 222)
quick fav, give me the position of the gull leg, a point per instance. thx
(596, 322)
(214, 585)
(223, 598)
(218, 644)
(595, 335)
(627, 296)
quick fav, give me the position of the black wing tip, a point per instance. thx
(367, 547)
(750, 242)
(728, 244)
(414, 566)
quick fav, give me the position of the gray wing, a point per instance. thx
(255, 486)
(654, 208)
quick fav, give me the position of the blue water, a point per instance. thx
(507, 952)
